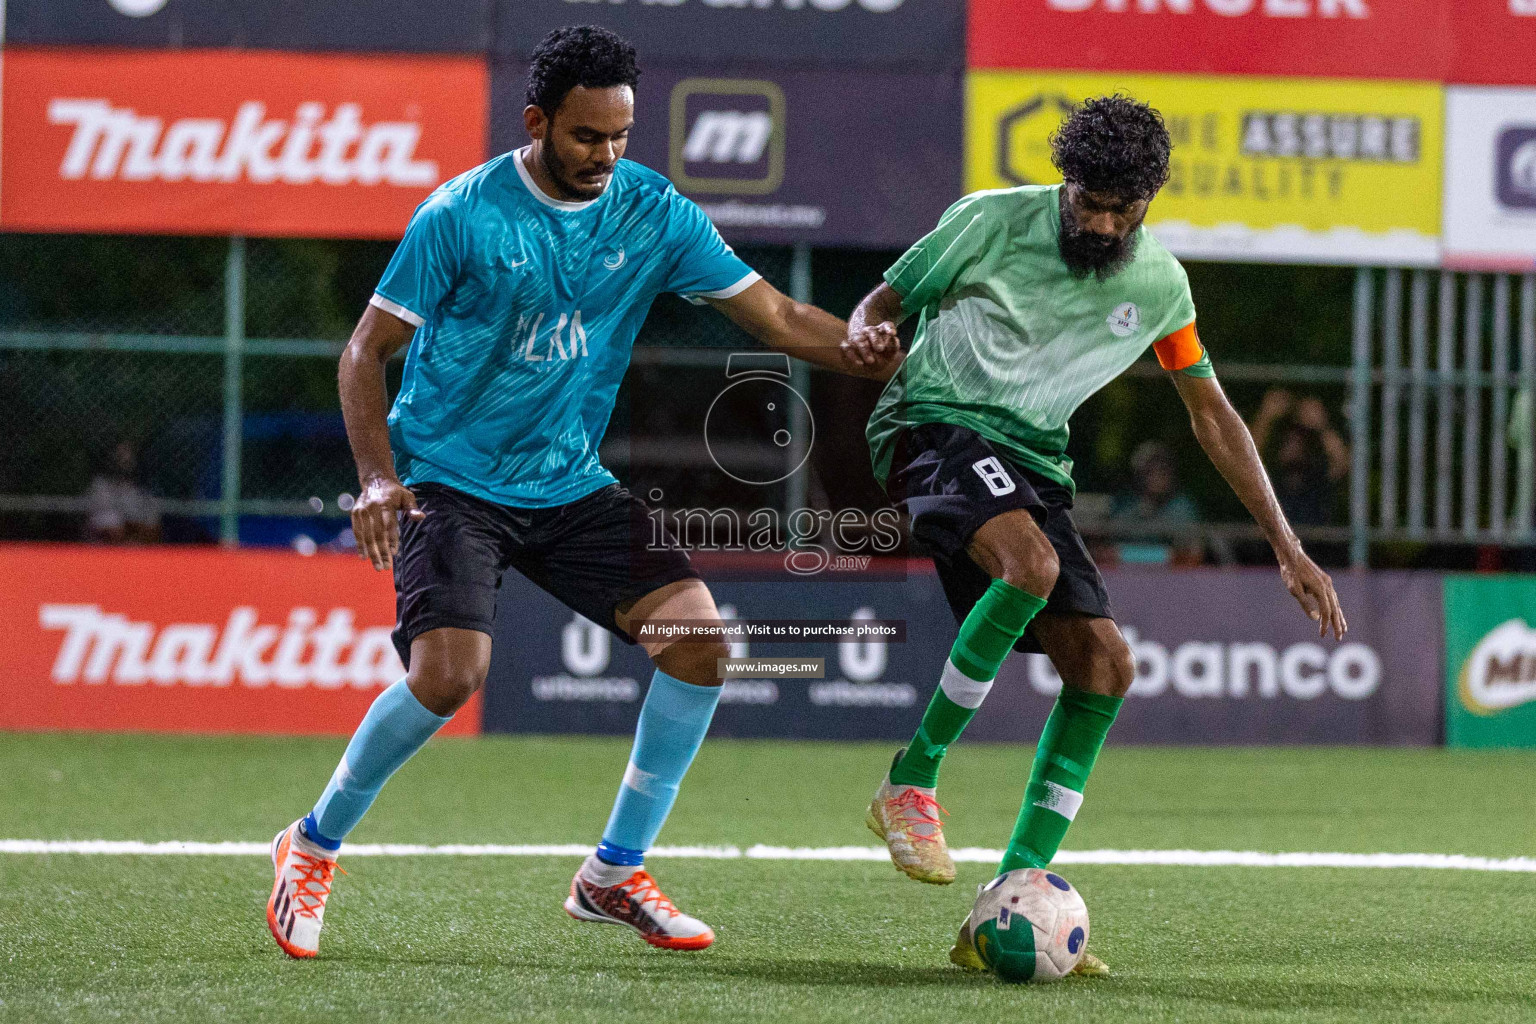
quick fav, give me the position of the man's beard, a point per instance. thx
(1087, 252)
(558, 174)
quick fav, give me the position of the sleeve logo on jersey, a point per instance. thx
(994, 476)
(1124, 320)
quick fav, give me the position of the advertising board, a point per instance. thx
(448, 26)
(195, 640)
(1490, 661)
(232, 142)
(778, 155)
(786, 33)
(1292, 170)
(1223, 657)
(1490, 178)
(1306, 38)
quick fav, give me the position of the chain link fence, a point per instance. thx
(203, 370)
(150, 360)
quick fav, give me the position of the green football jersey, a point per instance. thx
(1009, 342)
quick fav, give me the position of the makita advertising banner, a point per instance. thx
(1490, 661)
(780, 156)
(231, 142)
(828, 33)
(194, 640)
(1222, 657)
(357, 25)
(1474, 41)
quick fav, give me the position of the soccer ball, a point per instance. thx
(1029, 925)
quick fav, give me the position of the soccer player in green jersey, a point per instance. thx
(1028, 301)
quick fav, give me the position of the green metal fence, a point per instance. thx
(216, 359)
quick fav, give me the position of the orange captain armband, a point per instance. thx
(1181, 349)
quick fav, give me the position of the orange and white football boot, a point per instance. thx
(296, 908)
(637, 902)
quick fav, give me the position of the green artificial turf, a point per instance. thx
(482, 939)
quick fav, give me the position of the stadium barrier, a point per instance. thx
(213, 640)
(1490, 661)
(1223, 657)
(194, 640)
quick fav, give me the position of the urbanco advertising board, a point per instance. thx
(1227, 656)
(1223, 657)
(788, 33)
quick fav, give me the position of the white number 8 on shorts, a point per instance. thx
(994, 476)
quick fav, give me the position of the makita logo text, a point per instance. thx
(101, 647)
(1226, 8)
(116, 143)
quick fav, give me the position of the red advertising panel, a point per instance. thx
(194, 640)
(232, 142)
(1494, 42)
(1319, 38)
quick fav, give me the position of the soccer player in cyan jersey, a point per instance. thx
(1028, 301)
(519, 287)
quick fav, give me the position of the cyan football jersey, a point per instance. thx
(526, 308)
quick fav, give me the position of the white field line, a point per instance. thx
(972, 855)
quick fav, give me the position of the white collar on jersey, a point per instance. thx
(540, 194)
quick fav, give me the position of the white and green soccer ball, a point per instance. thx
(1029, 925)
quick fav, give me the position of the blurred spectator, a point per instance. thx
(1306, 456)
(120, 510)
(1155, 502)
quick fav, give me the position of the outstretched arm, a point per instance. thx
(364, 405)
(880, 312)
(1225, 438)
(809, 333)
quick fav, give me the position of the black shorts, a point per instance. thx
(594, 554)
(950, 480)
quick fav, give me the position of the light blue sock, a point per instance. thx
(673, 722)
(395, 727)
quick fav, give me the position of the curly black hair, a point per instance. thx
(585, 55)
(1114, 145)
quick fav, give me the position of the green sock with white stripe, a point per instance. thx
(986, 636)
(1069, 745)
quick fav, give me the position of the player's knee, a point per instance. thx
(695, 662)
(1032, 566)
(443, 688)
(1117, 669)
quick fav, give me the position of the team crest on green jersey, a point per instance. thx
(1124, 320)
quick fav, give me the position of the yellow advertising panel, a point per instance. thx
(1283, 169)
